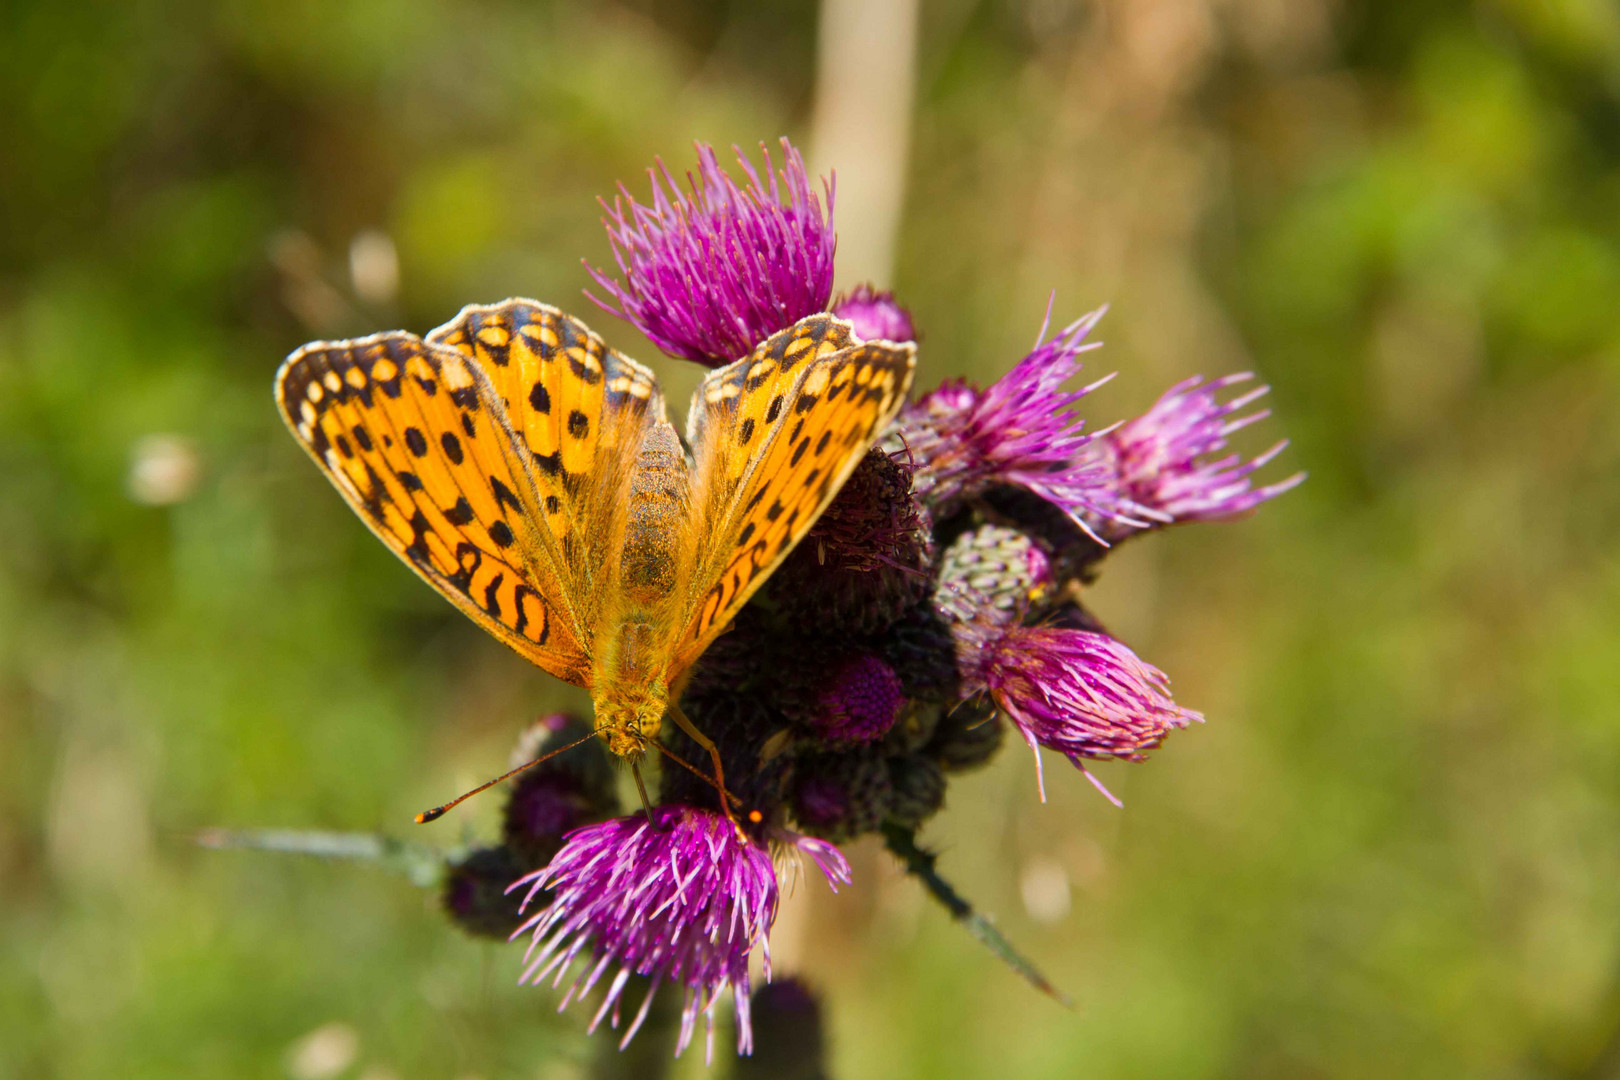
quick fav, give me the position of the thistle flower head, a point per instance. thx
(866, 559)
(1163, 455)
(681, 899)
(474, 892)
(919, 789)
(787, 1014)
(1080, 693)
(875, 315)
(839, 796)
(712, 271)
(1002, 565)
(967, 736)
(860, 701)
(1018, 431)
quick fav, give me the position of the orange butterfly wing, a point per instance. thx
(581, 410)
(417, 439)
(775, 436)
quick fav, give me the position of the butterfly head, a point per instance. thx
(629, 718)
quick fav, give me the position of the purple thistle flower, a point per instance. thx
(1018, 431)
(1161, 456)
(860, 702)
(682, 898)
(1082, 694)
(710, 274)
(875, 315)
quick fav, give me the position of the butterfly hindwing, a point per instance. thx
(580, 409)
(417, 440)
(775, 436)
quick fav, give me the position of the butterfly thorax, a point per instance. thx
(631, 677)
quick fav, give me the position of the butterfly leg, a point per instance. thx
(707, 743)
(641, 789)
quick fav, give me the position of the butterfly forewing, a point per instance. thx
(416, 438)
(581, 410)
(775, 435)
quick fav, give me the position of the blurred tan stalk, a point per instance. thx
(865, 72)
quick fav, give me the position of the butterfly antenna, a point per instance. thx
(439, 811)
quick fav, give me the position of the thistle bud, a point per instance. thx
(474, 893)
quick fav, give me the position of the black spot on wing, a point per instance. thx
(417, 549)
(586, 375)
(461, 513)
(496, 352)
(452, 447)
(378, 493)
(416, 441)
(519, 591)
(501, 533)
(520, 623)
(468, 559)
(503, 495)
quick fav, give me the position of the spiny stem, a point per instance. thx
(920, 864)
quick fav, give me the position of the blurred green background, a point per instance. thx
(1394, 850)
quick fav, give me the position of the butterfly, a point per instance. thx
(528, 472)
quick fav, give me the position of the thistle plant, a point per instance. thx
(931, 607)
(935, 605)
